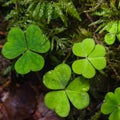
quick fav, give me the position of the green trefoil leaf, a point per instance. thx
(26, 46)
(111, 104)
(75, 91)
(113, 29)
(92, 57)
(57, 78)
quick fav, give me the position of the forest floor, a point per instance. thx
(20, 100)
(22, 97)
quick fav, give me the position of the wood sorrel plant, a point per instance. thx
(113, 28)
(92, 57)
(66, 22)
(26, 47)
(75, 91)
(111, 105)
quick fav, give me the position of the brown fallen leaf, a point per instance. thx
(3, 113)
(20, 104)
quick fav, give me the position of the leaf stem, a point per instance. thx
(68, 55)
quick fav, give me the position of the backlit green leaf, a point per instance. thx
(15, 44)
(93, 56)
(58, 101)
(57, 78)
(115, 115)
(97, 57)
(77, 66)
(79, 84)
(84, 48)
(110, 38)
(24, 46)
(111, 105)
(83, 67)
(99, 62)
(79, 99)
(37, 41)
(76, 92)
(99, 51)
(117, 94)
(112, 27)
(114, 31)
(29, 61)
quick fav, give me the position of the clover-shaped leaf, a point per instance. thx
(83, 67)
(97, 58)
(113, 28)
(92, 58)
(15, 45)
(110, 38)
(76, 91)
(26, 60)
(57, 78)
(58, 101)
(37, 41)
(111, 105)
(24, 46)
(84, 48)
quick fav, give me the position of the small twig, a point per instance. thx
(3, 33)
(1, 46)
(94, 27)
(90, 19)
(68, 55)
